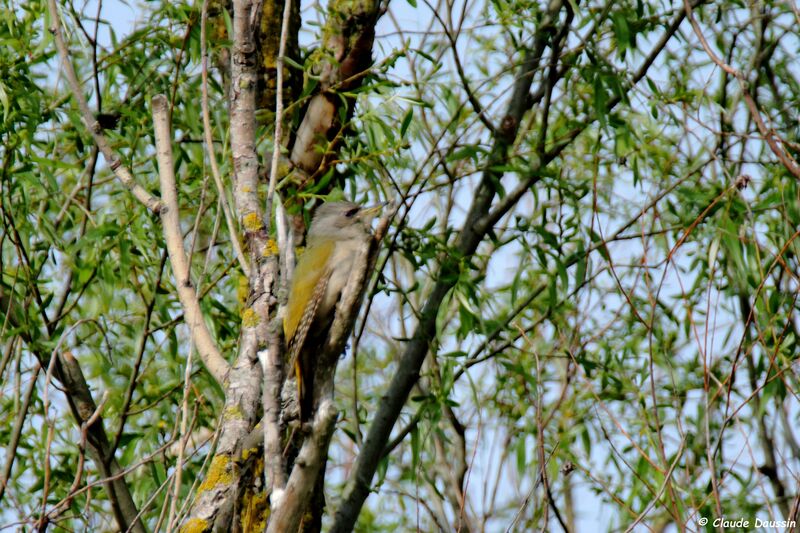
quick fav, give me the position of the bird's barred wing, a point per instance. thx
(301, 332)
(310, 267)
(308, 289)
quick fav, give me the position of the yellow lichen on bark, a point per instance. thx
(242, 290)
(270, 34)
(251, 222)
(195, 525)
(249, 318)
(233, 411)
(247, 452)
(218, 473)
(255, 511)
(270, 249)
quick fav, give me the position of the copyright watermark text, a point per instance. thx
(746, 523)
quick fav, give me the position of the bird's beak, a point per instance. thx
(368, 213)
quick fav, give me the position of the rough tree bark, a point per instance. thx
(232, 496)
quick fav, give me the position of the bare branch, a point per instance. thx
(243, 124)
(83, 407)
(13, 441)
(230, 476)
(288, 509)
(271, 364)
(170, 218)
(349, 34)
(278, 132)
(212, 159)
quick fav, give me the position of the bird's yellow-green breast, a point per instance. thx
(310, 267)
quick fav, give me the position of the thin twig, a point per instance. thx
(140, 349)
(13, 441)
(769, 136)
(276, 141)
(112, 159)
(182, 437)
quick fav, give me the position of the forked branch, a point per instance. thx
(112, 159)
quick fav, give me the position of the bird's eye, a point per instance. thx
(351, 213)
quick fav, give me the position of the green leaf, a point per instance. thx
(521, 455)
(621, 29)
(406, 122)
(415, 448)
(580, 265)
(600, 99)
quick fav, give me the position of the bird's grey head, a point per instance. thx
(342, 221)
